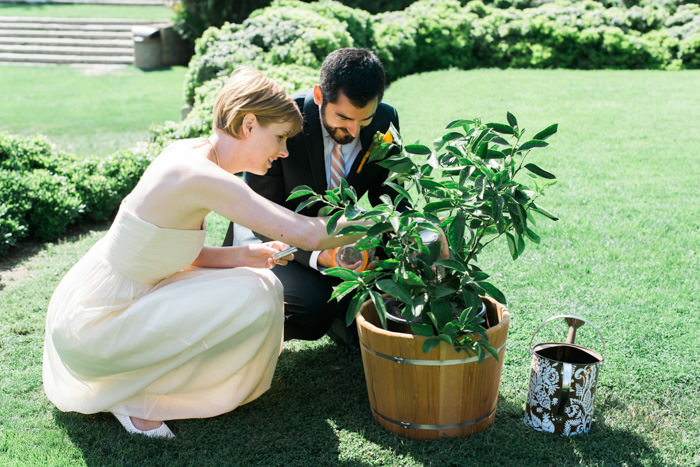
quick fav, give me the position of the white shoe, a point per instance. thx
(161, 432)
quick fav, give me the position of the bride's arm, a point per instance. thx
(256, 255)
(229, 196)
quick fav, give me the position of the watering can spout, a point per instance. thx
(574, 324)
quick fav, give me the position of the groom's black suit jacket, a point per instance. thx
(306, 164)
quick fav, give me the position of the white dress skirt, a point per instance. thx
(133, 329)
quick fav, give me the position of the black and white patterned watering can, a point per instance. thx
(563, 380)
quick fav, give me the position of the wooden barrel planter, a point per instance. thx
(443, 393)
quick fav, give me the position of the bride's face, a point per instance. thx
(266, 144)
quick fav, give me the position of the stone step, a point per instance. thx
(78, 41)
(66, 50)
(7, 57)
(67, 34)
(66, 41)
(43, 20)
(65, 27)
(113, 2)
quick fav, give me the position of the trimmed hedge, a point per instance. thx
(289, 40)
(193, 17)
(44, 191)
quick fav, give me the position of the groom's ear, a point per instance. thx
(318, 95)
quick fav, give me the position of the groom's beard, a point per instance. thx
(339, 135)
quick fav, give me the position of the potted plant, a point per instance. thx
(439, 375)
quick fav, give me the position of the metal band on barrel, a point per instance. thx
(411, 361)
(420, 426)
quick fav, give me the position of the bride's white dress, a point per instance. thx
(131, 329)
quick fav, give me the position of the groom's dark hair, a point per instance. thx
(358, 73)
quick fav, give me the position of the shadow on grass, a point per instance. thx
(317, 413)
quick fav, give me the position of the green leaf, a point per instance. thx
(511, 245)
(352, 230)
(459, 123)
(482, 150)
(378, 229)
(308, 202)
(379, 153)
(497, 207)
(299, 191)
(515, 217)
(422, 329)
(452, 264)
(493, 292)
(494, 154)
(498, 140)
(417, 149)
(333, 222)
(398, 165)
(378, 301)
(520, 244)
(480, 275)
(430, 344)
(547, 132)
(411, 278)
(341, 273)
(532, 235)
(430, 184)
(354, 306)
(538, 171)
(399, 189)
(447, 338)
(352, 211)
(332, 196)
(438, 206)
(455, 232)
(442, 313)
(521, 197)
(544, 212)
(533, 143)
(512, 121)
(489, 348)
(349, 193)
(482, 355)
(395, 290)
(343, 289)
(501, 128)
(442, 291)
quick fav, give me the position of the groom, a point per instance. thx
(341, 115)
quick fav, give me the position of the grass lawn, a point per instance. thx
(86, 11)
(624, 255)
(92, 110)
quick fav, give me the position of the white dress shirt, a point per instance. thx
(349, 151)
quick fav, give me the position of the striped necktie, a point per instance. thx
(337, 166)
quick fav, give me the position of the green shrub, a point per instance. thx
(395, 43)
(21, 154)
(44, 191)
(289, 39)
(102, 183)
(13, 228)
(193, 17)
(689, 51)
(54, 203)
(269, 38)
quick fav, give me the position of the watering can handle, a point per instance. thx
(574, 323)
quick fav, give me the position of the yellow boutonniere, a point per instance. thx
(378, 139)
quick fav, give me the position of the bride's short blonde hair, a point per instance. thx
(249, 91)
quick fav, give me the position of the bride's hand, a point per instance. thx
(261, 255)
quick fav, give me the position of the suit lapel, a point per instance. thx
(314, 137)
